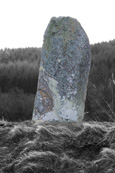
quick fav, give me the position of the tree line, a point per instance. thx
(19, 70)
(101, 86)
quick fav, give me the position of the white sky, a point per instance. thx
(23, 22)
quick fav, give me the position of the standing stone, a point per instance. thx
(64, 70)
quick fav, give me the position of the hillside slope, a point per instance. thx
(33, 147)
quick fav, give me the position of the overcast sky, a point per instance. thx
(23, 22)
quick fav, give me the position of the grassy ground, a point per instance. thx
(32, 147)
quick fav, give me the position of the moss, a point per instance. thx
(58, 25)
(61, 61)
(47, 41)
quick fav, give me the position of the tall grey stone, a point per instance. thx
(64, 70)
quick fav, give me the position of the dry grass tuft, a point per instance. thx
(53, 147)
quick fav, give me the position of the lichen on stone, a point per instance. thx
(65, 65)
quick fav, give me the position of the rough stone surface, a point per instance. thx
(64, 70)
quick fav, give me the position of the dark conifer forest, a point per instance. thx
(19, 69)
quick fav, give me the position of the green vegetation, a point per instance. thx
(19, 76)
